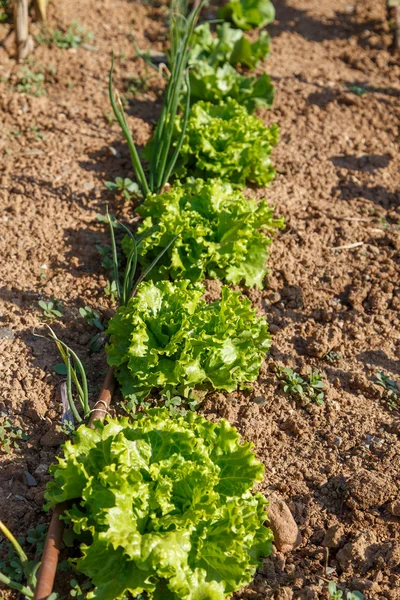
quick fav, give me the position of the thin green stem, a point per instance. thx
(69, 393)
(152, 265)
(22, 556)
(115, 256)
(120, 116)
(175, 155)
(16, 586)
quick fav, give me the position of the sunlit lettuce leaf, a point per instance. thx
(217, 84)
(229, 45)
(224, 141)
(248, 14)
(168, 338)
(165, 507)
(221, 234)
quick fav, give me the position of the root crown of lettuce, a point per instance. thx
(164, 506)
(221, 234)
(168, 338)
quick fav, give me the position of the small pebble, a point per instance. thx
(29, 479)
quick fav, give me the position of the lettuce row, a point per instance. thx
(168, 338)
(163, 505)
(221, 234)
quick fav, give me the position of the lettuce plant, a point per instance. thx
(219, 233)
(225, 141)
(167, 337)
(230, 45)
(217, 84)
(248, 14)
(163, 505)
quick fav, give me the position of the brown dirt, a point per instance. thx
(338, 465)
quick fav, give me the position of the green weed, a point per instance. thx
(91, 317)
(392, 393)
(308, 388)
(128, 187)
(138, 85)
(10, 435)
(51, 309)
(337, 594)
(357, 89)
(175, 404)
(75, 35)
(111, 290)
(17, 567)
(333, 356)
(31, 82)
(96, 343)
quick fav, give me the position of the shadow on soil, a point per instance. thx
(368, 163)
(377, 194)
(341, 25)
(348, 94)
(380, 360)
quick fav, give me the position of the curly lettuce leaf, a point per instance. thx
(225, 142)
(168, 338)
(248, 14)
(219, 234)
(165, 507)
(217, 84)
(229, 45)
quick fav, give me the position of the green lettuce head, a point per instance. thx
(163, 505)
(219, 84)
(168, 338)
(224, 141)
(221, 234)
(248, 14)
(229, 45)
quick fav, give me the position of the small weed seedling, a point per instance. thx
(337, 594)
(333, 356)
(126, 186)
(392, 393)
(175, 403)
(357, 89)
(308, 389)
(130, 406)
(73, 38)
(37, 537)
(106, 253)
(10, 436)
(111, 290)
(37, 134)
(91, 317)
(31, 82)
(96, 343)
(51, 309)
(18, 567)
(137, 85)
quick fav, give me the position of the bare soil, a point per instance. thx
(338, 107)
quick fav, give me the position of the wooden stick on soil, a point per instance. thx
(348, 246)
(23, 39)
(47, 571)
